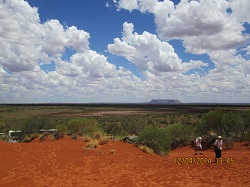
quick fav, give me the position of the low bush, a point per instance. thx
(62, 128)
(29, 138)
(104, 140)
(155, 138)
(179, 135)
(74, 136)
(247, 137)
(44, 135)
(82, 126)
(34, 124)
(92, 144)
(33, 136)
(26, 139)
(58, 135)
(97, 135)
(4, 138)
(86, 138)
(228, 143)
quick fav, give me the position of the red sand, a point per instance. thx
(64, 163)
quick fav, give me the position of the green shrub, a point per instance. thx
(232, 125)
(155, 138)
(134, 126)
(201, 129)
(118, 130)
(4, 138)
(213, 121)
(247, 137)
(34, 124)
(179, 134)
(62, 128)
(228, 142)
(90, 130)
(83, 126)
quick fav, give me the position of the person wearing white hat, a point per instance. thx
(198, 145)
(218, 147)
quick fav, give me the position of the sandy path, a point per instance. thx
(64, 163)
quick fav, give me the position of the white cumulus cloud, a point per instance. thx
(202, 25)
(27, 44)
(149, 53)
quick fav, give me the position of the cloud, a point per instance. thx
(27, 41)
(87, 76)
(205, 27)
(240, 8)
(149, 53)
(248, 50)
(93, 65)
(28, 44)
(128, 4)
(202, 25)
(77, 39)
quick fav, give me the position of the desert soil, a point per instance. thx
(65, 163)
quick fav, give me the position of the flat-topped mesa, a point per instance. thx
(164, 101)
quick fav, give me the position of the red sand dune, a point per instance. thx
(64, 163)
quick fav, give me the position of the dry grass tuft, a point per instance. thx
(112, 151)
(86, 138)
(104, 140)
(29, 138)
(91, 145)
(97, 135)
(145, 149)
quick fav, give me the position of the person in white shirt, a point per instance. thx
(198, 146)
(218, 147)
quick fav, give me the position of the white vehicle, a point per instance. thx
(15, 136)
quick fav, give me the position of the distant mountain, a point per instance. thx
(164, 101)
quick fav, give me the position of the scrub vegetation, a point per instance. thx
(158, 128)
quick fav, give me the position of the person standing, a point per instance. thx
(198, 146)
(218, 147)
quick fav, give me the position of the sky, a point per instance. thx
(84, 51)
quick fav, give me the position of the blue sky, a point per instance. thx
(124, 51)
(94, 17)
